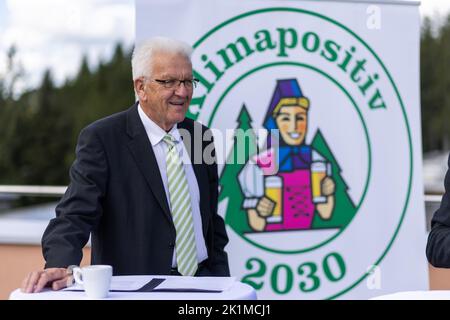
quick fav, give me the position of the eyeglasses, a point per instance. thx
(175, 83)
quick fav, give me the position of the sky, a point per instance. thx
(55, 34)
(432, 7)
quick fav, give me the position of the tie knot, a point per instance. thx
(169, 139)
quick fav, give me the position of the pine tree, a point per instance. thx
(434, 84)
(40, 128)
(344, 209)
(443, 84)
(231, 190)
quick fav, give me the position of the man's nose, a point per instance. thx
(181, 90)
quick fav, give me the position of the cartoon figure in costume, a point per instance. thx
(287, 198)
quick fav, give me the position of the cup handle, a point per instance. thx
(77, 275)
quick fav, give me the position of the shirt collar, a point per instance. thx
(155, 132)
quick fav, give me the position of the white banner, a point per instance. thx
(342, 215)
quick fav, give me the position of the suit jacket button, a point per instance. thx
(171, 245)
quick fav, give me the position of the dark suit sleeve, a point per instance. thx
(438, 246)
(219, 260)
(80, 209)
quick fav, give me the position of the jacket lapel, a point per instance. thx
(203, 183)
(200, 169)
(142, 151)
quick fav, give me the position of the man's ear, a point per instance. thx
(139, 86)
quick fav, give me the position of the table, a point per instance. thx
(238, 291)
(416, 295)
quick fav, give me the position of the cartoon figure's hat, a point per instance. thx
(287, 93)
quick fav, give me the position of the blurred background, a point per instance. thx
(64, 64)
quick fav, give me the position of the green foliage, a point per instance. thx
(344, 209)
(244, 147)
(39, 130)
(435, 85)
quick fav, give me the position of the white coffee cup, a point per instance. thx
(95, 279)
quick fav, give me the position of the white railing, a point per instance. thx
(55, 191)
(43, 191)
(433, 198)
(29, 231)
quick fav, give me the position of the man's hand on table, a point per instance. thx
(56, 278)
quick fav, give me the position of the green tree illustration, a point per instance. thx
(344, 209)
(244, 147)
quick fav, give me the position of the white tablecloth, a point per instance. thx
(416, 295)
(238, 291)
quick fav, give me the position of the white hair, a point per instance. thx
(141, 61)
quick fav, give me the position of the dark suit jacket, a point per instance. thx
(438, 246)
(116, 192)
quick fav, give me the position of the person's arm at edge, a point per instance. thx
(438, 245)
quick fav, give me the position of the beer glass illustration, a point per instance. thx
(273, 190)
(318, 173)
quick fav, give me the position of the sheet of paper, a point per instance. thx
(197, 283)
(124, 283)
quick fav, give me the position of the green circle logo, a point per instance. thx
(311, 192)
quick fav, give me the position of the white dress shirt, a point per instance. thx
(156, 134)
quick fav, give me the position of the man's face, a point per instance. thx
(166, 106)
(292, 122)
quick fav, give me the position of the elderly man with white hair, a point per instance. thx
(135, 188)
